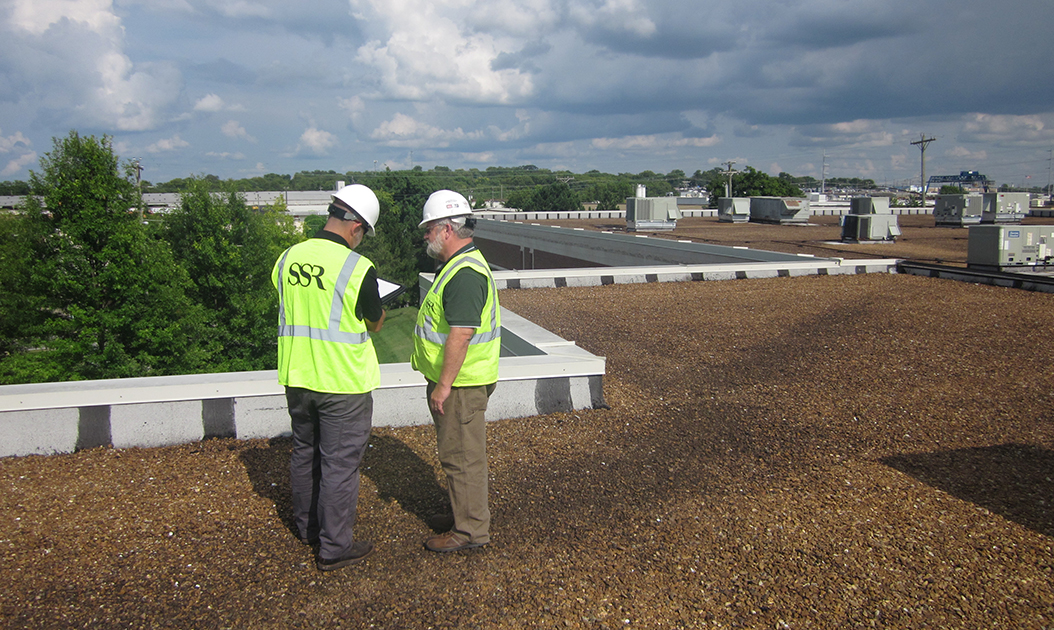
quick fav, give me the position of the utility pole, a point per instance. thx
(922, 143)
(1050, 192)
(139, 185)
(823, 173)
(728, 186)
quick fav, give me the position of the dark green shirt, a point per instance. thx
(465, 295)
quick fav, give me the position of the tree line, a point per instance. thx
(92, 287)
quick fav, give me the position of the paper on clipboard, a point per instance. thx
(389, 290)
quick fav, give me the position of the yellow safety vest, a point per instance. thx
(481, 360)
(322, 345)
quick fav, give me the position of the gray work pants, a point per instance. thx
(330, 432)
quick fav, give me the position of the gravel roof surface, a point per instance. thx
(817, 452)
(920, 239)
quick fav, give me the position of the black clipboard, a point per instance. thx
(389, 290)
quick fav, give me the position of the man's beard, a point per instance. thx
(434, 248)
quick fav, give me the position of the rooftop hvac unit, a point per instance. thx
(651, 213)
(869, 205)
(870, 219)
(958, 210)
(1017, 247)
(733, 209)
(1004, 207)
(781, 210)
(870, 227)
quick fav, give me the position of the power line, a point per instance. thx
(922, 143)
(729, 172)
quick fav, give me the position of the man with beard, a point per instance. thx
(456, 345)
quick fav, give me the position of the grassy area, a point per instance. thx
(395, 341)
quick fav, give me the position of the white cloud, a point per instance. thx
(13, 142)
(168, 144)
(964, 153)
(213, 103)
(20, 145)
(404, 131)
(652, 142)
(1012, 130)
(355, 107)
(37, 16)
(852, 134)
(424, 50)
(233, 129)
(316, 141)
(225, 156)
(72, 53)
(614, 15)
(209, 103)
(16, 165)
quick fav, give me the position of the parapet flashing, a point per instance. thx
(50, 418)
(599, 276)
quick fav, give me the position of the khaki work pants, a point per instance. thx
(461, 439)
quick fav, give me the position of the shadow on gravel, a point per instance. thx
(1015, 481)
(402, 476)
(399, 474)
(268, 471)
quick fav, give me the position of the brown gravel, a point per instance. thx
(818, 452)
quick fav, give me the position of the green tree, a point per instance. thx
(609, 196)
(397, 249)
(229, 250)
(313, 223)
(101, 299)
(752, 183)
(20, 310)
(14, 189)
(555, 197)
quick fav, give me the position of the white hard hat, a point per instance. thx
(443, 204)
(362, 200)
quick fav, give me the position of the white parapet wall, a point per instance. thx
(801, 265)
(47, 418)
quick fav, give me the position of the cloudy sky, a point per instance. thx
(239, 88)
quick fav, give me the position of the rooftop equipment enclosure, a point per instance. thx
(780, 210)
(1001, 246)
(651, 213)
(1004, 207)
(958, 210)
(870, 219)
(733, 209)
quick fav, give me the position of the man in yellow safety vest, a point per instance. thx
(456, 345)
(328, 305)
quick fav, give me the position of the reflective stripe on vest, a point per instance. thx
(432, 330)
(429, 332)
(336, 310)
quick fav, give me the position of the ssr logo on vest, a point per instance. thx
(301, 275)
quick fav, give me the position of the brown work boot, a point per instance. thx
(445, 543)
